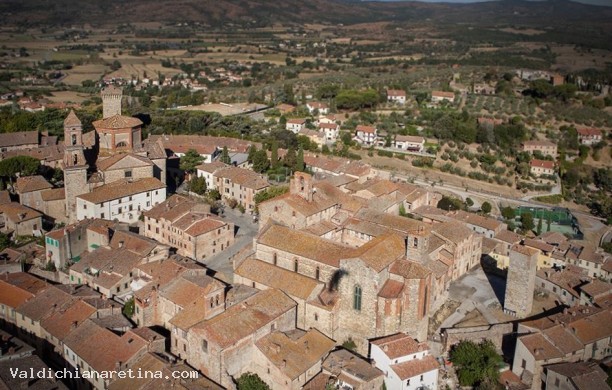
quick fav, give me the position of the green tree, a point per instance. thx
(260, 161)
(290, 159)
(128, 308)
(5, 241)
(507, 212)
(299, 164)
(198, 185)
(527, 222)
(19, 165)
(346, 138)
(190, 161)
(250, 381)
(448, 203)
(548, 222)
(274, 161)
(225, 157)
(269, 193)
(252, 152)
(476, 363)
(486, 207)
(469, 202)
(539, 228)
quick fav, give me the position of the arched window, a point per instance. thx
(295, 265)
(211, 302)
(357, 298)
(274, 258)
(416, 242)
(317, 273)
(74, 139)
(121, 144)
(217, 300)
(75, 159)
(302, 183)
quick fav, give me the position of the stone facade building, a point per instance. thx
(355, 272)
(224, 346)
(578, 334)
(287, 360)
(113, 152)
(189, 227)
(520, 284)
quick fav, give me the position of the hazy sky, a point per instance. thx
(596, 2)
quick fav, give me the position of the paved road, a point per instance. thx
(494, 197)
(246, 230)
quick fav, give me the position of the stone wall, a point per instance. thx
(119, 174)
(495, 333)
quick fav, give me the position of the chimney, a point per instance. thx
(385, 347)
(74, 325)
(120, 244)
(284, 363)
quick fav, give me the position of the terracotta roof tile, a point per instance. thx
(399, 345)
(535, 163)
(121, 189)
(17, 213)
(108, 163)
(116, 348)
(117, 122)
(211, 167)
(72, 119)
(61, 322)
(44, 303)
(409, 269)
(244, 177)
(26, 184)
(453, 231)
(244, 319)
(303, 244)
(53, 194)
(391, 289)
(296, 352)
(415, 367)
(18, 138)
(343, 360)
(508, 237)
(540, 347)
(292, 283)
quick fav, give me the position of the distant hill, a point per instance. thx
(259, 12)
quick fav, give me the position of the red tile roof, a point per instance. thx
(535, 163)
(31, 183)
(121, 189)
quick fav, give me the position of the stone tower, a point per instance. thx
(75, 165)
(520, 283)
(417, 244)
(301, 185)
(111, 101)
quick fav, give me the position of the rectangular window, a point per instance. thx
(205, 346)
(128, 174)
(102, 215)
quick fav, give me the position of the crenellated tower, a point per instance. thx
(111, 101)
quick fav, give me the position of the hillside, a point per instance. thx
(260, 12)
